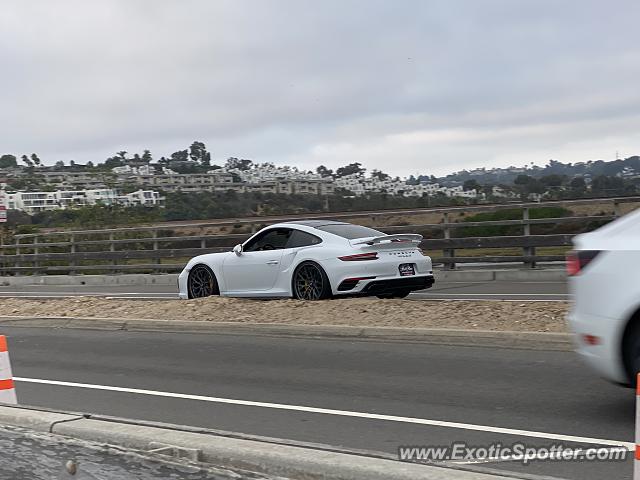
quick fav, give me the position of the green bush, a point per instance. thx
(507, 214)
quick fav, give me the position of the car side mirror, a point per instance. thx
(237, 249)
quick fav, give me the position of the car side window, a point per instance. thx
(302, 239)
(275, 239)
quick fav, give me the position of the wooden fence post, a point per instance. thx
(36, 251)
(616, 209)
(72, 250)
(154, 234)
(112, 248)
(527, 251)
(448, 252)
(17, 264)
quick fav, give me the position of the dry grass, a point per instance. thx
(481, 315)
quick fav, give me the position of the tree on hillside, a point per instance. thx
(113, 162)
(578, 183)
(528, 184)
(27, 161)
(180, 156)
(471, 185)
(122, 155)
(198, 153)
(553, 180)
(8, 161)
(578, 186)
(324, 171)
(234, 162)
(36, 160)
(379, 175)
(605, 185)
(146, 156)
(350, 169)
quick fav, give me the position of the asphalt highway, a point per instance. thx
(347, 394)
(441, 290)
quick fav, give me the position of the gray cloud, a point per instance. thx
(402, 86)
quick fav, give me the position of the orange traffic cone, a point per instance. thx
(7, 389)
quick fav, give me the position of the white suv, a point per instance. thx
(604, 278)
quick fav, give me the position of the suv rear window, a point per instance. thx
(349, 231)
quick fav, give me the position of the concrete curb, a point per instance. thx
(506, 275)
(437, 336)
(297, 461)
(479, 275)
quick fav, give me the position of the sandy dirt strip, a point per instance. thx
(481, 315)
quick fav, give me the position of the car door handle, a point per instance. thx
(272, 262)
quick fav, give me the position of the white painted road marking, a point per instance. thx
(436, 293)
(4, 292)
(469, 299)
(343, 413)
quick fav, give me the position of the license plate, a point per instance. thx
(406, 269)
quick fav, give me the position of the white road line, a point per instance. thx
(168, 297)
(342, 413)
(436, 299)
(107, 296)
(493, 294)
(3, 292)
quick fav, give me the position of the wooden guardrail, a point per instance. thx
(159, 249)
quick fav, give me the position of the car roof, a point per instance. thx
(314, 223)
(620, 234)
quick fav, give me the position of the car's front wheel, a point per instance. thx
(310, 282)
(202, 282)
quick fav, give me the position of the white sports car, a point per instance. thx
(312, 260)
(604, 279)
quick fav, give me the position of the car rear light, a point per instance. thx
(578, 259)
(359, 257)
(591, 339)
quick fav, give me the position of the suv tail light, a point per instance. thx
(578, 259)
(359, 257)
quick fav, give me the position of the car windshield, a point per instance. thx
(349, 231)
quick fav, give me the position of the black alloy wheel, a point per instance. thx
(631, 352)
(202, 282)
(310, 282)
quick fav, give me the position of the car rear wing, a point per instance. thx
(410, 239)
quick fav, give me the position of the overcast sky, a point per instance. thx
(402, 86)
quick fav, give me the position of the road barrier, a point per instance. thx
(166, 248)
(7, 388)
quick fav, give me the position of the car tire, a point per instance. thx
(397, 294)
(631, 352)
(310, 282)
(202, 282)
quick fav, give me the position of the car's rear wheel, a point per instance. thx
(396, 294)
(202, 282)
(310, 282)
(631, 352)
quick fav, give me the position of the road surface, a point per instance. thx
(440, 291)
(372, 396)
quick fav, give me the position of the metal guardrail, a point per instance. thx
(159, 249)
